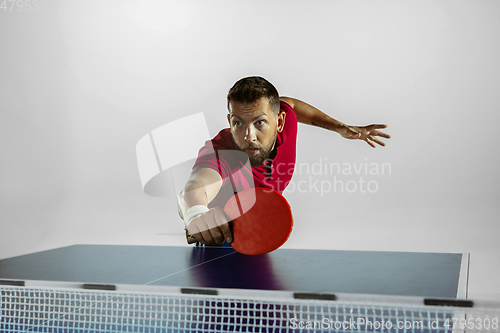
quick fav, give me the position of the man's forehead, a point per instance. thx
(259, 106)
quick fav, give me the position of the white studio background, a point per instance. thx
(82, 81)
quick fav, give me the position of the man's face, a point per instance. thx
(254, 128)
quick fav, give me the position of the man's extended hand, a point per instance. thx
(368, 133)
(211, 227)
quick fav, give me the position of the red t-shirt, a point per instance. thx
(223, 155)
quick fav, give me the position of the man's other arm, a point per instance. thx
(308, 114)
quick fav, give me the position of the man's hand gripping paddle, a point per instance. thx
(261, 221)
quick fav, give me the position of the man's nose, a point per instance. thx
(250, 134)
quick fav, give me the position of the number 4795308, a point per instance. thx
(472, 323)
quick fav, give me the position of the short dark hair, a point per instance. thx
(252, 88)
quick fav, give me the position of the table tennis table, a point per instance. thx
(111, 288)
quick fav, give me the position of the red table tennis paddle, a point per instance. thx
(261, 220)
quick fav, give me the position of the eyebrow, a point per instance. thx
(255, 118)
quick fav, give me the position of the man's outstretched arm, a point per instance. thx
(308, 114)
(206, 225)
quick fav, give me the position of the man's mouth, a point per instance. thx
(252, 150)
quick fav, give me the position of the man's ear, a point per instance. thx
(229, 119)
(281, 121)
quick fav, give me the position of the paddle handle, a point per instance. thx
(190, 238)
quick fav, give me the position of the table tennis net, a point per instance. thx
(26, 309)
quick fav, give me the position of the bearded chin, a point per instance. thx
(259, 159)
(263, 154)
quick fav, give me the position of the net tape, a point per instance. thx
(51, 310)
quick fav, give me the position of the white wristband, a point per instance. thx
(194, 211)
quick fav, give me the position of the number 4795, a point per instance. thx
(22, 5)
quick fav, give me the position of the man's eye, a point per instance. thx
(237, 123)
(260, 122)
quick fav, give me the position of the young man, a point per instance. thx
(257, 150)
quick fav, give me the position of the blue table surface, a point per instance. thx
(318, 271)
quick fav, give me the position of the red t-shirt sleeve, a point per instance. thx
(207, 156)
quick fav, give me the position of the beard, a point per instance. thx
(263, 154)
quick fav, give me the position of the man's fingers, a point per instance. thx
(217, 235)
(372, 129)
(199, 227)
(382, 134)
(199, 238)
(226, 231)
(211, 220)
(193, 229)
(206, 237)
(211, 227)
(378, 141)
(223, 224)
(370, 142)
